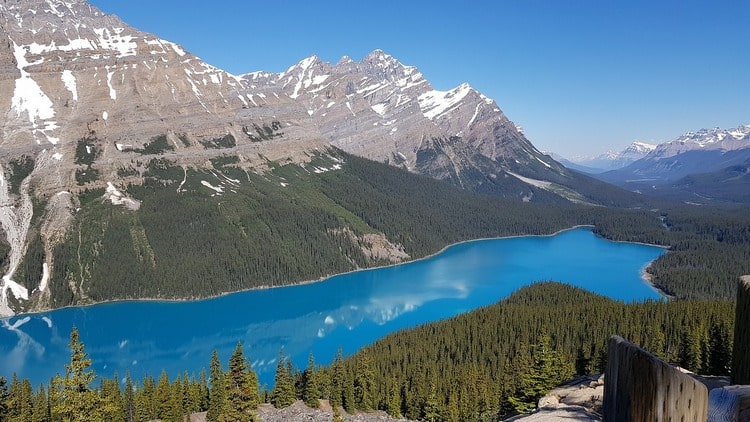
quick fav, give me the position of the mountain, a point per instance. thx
(730, 184)
(103, 127)
(704, 151)
(572, 165)
(613, 160)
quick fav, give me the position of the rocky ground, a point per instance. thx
(299, 412)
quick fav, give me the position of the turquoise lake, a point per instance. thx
(347, 311)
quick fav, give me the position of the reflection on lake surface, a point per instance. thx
(347, 311)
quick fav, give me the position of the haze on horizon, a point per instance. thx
(581, 78)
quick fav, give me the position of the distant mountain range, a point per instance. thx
(610, 160)
(704, 166)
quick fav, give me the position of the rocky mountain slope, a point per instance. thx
(91, 106)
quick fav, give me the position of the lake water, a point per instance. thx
(347, 311)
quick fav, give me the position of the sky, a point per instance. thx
(580, 76)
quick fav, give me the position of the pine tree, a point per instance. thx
(163, 396)
(129, 399)
(720, 349)
(41, 407)
(146, 408)
(216, 393)
(337, 380)
(364, 382)
(241, 389)
(394, 399)
(689, 356)
(76, 401)
(432, 406)
(283, 389)
(111, 401)
(310, 390)
(549, 369)
(20, 400)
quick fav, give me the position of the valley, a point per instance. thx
(374, 243)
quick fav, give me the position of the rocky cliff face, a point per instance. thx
(87, 102)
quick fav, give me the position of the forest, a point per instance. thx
(292, 224)
(482, 365)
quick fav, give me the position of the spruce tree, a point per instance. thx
(337, 380)
(310, 390)
(216, 393)
(720, 349)
(41, 407)
(364, 382)
(283, 389)
(241, 390)
(76, 401)
(129, 399)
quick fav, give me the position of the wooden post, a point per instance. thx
(741, 355)
(640, 387)
(729, 404)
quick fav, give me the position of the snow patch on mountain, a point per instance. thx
(70, 83)
(436, 103)
(28, 95)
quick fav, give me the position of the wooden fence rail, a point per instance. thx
(640, 387)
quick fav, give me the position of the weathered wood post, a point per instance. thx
(741, 355)
(640, 387)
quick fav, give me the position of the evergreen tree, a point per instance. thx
(163, 397)
(146, 408)
(76, 401)
(241, 390)
(310, 390)
(720, 349)
(111, 401)
(363, 383)
(549, 368)
(338, 376)
(394, 399)
(41, 411)
(216, 393)
(283, 389)
(129, 399)
(432, 406)
(20, 400)
(689, 356)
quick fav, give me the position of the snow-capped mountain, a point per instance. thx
(716, 139)
(613, 160)
(91, 104)
(386, 111)
(704, 151)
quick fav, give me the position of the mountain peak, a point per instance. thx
(381, 59)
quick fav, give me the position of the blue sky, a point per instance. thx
(580, 76)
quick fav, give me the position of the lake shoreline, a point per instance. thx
(646, 277)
